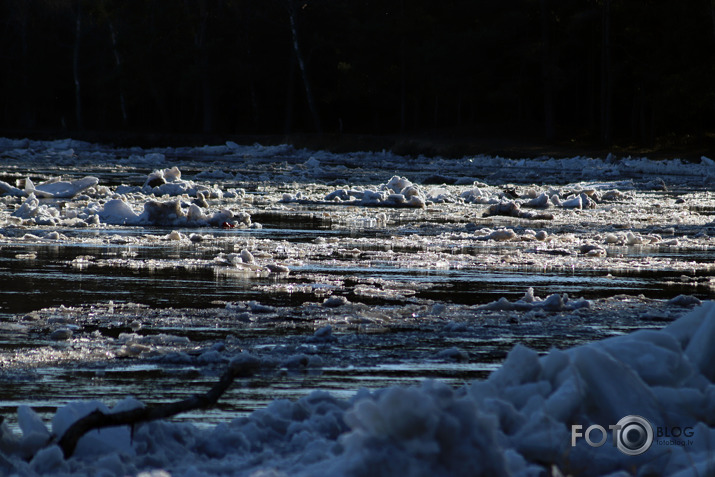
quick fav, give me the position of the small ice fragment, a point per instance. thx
(335, 301)
(210, 357)
(323, 334)
(611, 238)
(256, 307)
(684, 301)
(48, 461)
(573, 203)
(592, 250)
(155, 179)
(529, 296)
(276, 268)
(540, 202)
(244, 364)
(452, 354)
(61, 334)
(247, 257)
(553, 302)
(502, 235)
(417, 202)
(633, 239)
(175, 235)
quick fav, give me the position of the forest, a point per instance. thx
(596, 71)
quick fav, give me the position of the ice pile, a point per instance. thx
(169, 182)
(397, 192)
(532, 199)
(55, 188)
(172, 212)
(116, 207)
(517, 422)
(529, 302)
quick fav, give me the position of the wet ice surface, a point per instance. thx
(143, 272)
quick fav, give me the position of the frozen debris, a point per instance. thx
(685, 301)
(244, 364)
(247, 257)
(61, 334)
(56, 188)
(500, 235)
(656, 184)
(335, 301)
(118, 212)
(175, 235)
(169, 182)
(552, 303)
(278, 268)
(397, 192)
(7, 189)
(452, 354)
(592, 250)
(256, 307)
(211, 357)
(323, 335)
(539, 202)
(512, 209)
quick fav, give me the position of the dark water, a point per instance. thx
(40, 275)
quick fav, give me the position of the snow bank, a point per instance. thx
(517, 422)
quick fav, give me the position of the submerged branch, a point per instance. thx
(242, 366)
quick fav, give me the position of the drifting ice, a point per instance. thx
(513, 423)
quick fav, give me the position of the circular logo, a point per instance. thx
(634, 436)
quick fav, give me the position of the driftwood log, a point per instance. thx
(241, 366)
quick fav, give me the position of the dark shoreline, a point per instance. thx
(429, 144)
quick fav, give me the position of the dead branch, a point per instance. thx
(242, 366)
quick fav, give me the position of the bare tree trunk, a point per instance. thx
(118, 62)
(28, 118)
(203, 64)
(288, 117)
(712, 16)
(606, 133)
(546, 73)
(403, 73)
(243, 367)
(301, 65)
(75, 67)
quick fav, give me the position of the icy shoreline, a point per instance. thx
(516, 422)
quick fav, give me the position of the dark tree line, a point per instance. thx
(603, 70)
